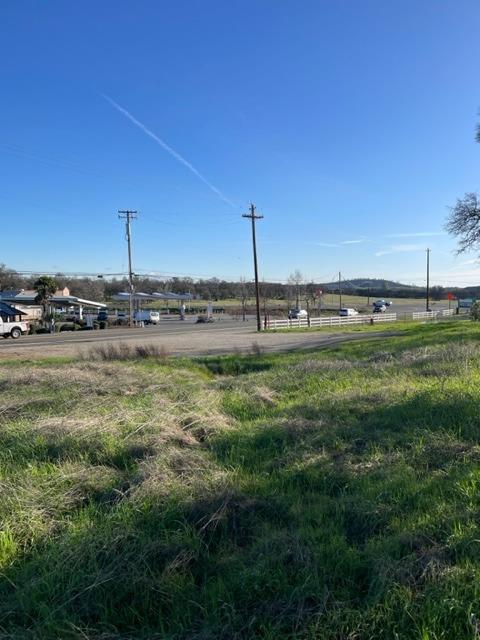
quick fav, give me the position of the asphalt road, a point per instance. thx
(186, 337)
(176, 338)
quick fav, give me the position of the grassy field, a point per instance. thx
(330, 300)
(329, 495)
(389, 327)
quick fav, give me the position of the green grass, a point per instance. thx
(325, 495)
(329, 300)
(383, 327)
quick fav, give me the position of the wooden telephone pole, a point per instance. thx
(128, 216)
(340, 288)
(253, 217)
(428, 280)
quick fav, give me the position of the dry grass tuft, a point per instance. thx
(265, 395)
(312, 365)
(83, 378)
(123, 351)
(176, 470)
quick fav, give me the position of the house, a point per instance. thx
(25, 300)
(10, 314)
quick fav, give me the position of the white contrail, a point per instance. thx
(171, 151)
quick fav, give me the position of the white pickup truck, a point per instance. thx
(11, 323)
(13, 328)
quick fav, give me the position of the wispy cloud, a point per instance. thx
(168, 148)
(336, 245)
(357, 241)
(329, 245)
(416, 234)
(400, 248)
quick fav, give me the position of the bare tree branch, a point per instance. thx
(464, 222)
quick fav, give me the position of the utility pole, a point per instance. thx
(340, 287)
(253, 216)
(428, 280)
(128, 216)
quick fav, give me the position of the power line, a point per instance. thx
(72, 274)
(329, 283)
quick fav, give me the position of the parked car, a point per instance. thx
(102, 315)
(296, 313)
(148, 317)
(347, 312)
(379, 308)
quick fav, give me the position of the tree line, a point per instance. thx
(295, 291)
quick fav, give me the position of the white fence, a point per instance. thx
(335, 321)
(430, 315)
(424, 315)
(427, 315)
(332, 321)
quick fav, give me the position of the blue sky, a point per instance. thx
(350, 124)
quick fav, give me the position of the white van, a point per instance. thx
(347, 312)
(148, 317)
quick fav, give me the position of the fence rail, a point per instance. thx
(336, 321)
(331, 321)
(424, 315)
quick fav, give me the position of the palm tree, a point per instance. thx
(45, 287)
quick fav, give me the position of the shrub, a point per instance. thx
(67, 327)
(475, 311)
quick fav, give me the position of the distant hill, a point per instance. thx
(363, 284)
(388, 288)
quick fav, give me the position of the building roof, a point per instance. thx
(74, 300)
(18, 295)
(8, 310)
(27, 296)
